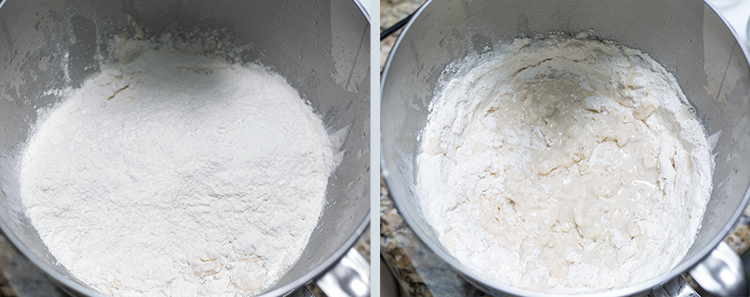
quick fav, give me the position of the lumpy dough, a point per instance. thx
(564, 164)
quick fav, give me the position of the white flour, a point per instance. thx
(178, 175)
(564, 164)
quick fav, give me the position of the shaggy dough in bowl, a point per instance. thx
(564, 164)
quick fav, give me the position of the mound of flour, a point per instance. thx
(177, 175)
(564, 164)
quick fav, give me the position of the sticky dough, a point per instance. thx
(564, 164)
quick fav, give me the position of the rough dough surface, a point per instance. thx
(564, 164)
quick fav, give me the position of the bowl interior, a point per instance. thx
(321, 47)
(687, 37)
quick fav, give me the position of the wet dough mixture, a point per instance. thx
(564, 164)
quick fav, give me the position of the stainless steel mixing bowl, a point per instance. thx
(687, 37)
(321, 47)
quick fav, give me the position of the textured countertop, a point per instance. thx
(418, 270)
(19, 278)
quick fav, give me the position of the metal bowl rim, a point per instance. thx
(482, 281)
(306, 278)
